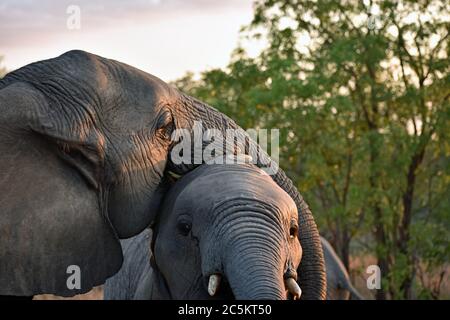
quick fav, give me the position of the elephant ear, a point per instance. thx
(53, 237)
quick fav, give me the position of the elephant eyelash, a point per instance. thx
(166, 131)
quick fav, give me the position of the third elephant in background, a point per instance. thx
(339, 286)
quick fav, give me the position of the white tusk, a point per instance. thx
(293, 288)
(213, 284)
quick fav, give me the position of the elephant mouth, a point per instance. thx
(176, 171)
(219, 288)
(173, 173)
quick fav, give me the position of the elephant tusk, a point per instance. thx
(213, 285)
(293, 288)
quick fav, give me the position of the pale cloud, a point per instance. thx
(163, 37)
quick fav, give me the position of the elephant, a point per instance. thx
(85, 158)
(339, 286)
(233, 240)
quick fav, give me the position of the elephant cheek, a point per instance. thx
(134, 197)
(131, 210)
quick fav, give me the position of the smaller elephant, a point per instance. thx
(339, 286)
(225, 232)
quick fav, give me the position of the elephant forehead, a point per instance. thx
(140, 95)
(85, 86)
(211, 185)
(117, 79)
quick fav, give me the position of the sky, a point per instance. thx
(166, 38)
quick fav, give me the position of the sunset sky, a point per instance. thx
(163, 37)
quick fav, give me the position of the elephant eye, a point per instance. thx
(184, 227)
(165, 125)
(166, 131)
(293, 230)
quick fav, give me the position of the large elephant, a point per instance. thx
(239, 237)
(84, 155)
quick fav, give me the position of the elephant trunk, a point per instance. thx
(254, 259)
(252, 274)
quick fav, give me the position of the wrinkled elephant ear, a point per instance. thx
(53, 238)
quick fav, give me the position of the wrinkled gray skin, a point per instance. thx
(84, 153)
(243, 228)
(339, 286)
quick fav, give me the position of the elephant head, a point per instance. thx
(85, 144)
(225, 231)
